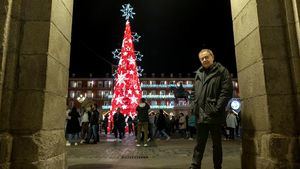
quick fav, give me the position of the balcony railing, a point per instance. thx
(165, 85)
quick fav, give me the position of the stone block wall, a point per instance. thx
(34, 82)
(267, 51)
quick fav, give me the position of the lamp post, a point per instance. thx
(80, 100)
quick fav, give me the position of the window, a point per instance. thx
(100, 93)
(152, 82)
(181, 103)
(153, 102)
(100, 84)
(163, 103)
(90, 84)
(189, 82)
(78, 93)
(153, 92)
(144, 82)
(90, 94)
(106, 93)
(72, 94)
(79, 84)
(144, 92)
(73, 84)
(106, 103)
(162, 92)
(107, 84)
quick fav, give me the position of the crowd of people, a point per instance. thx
(86, 127)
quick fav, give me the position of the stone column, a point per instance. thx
(35, 82)
(5, 136)
(267, 51)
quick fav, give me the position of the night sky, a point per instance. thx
(172, 33)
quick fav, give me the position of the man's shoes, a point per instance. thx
(146, 145)
(76, 144)
(168, 138)
(138, 145)
(68, 144)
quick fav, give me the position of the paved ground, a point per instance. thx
(161, 154)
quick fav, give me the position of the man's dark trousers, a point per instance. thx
(202, 134)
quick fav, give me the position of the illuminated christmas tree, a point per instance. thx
(127, 89)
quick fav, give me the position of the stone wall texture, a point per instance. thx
(35, 38)
(266, 34)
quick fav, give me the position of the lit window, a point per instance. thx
(153, 102)
(72, 94)
(73, 84)
(89, 94)
(162, 92)
(106, 84)
(90, 84)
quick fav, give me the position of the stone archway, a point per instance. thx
(35, 41)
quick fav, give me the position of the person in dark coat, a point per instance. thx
(210, 95)
(73, 127)
(143, 121)
(105, 123)
(94, 125)
(161, 125)
(129, 122)
(119, 121)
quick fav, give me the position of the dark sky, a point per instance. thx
(172, 33)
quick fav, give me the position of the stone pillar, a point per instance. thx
(267, 51)
(35, 80)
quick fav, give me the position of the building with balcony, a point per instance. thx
(157, 90)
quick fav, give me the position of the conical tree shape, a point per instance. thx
(127, 89)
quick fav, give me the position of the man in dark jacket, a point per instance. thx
(212, 91)
(94, 125)
(143, 120)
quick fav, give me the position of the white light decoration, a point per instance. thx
(169, 96)
(81, 98)
(235, 105)
(106, 107)
(164, 85)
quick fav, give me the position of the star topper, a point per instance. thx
(127, 11)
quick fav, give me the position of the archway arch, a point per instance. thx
(35, 47)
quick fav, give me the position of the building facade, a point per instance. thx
(159, 91)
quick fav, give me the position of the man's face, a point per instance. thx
(206, 59)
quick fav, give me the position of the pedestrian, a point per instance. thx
(129, 122)
(143, 120)
(161, 125)
(73, 127)
(210, 95)
(119, 121)
(231, 123)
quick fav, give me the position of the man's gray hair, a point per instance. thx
(208, 51)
